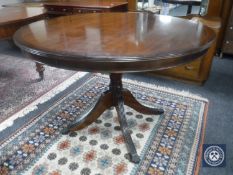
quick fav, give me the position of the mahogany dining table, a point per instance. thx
(115, 43)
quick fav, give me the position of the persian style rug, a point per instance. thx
(167, 144)
(19, 84)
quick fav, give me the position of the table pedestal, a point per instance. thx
(116, 96)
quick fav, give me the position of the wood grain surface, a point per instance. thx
(114, 42)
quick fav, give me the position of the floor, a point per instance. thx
(218, 89)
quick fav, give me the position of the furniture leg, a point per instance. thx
(130, 101)
(104, 102)
(40, 69)
(116, 88)
(134, 157)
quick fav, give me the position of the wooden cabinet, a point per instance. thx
(197, 71)
(227, 47)
(68, 8)
(186, 72)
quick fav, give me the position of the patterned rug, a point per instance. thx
(167, 144)
(19, 75)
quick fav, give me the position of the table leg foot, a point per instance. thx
(134, 158)
(131, 101)
(40, 69)
(65, 131)
(104, 102)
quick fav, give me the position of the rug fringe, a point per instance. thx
(194, 149)
(33, 106)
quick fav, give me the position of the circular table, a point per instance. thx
(114, 43)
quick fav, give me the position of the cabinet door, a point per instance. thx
(228, 39)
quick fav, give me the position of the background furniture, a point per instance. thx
(189, 3)
(83, 6)
(227, 46)
(12, 18)
(215, 14)
(131, 3)
(220, 9)
(197, 71)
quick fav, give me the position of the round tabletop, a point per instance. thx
(114, 42)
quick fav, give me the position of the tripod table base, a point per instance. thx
(116, 97)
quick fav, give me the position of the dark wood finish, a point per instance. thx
(133, 103)
(60, 8)
(225, 15)
(12, 18)
(217, 16)
(222, 10)
(214, 8)
(103, 103)
(102, 4)
(40, 69)
(196, 71)
(115, 43)
(227, 47)
(115, 97)
(117, 39)
(82, 6)
(132, 5)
